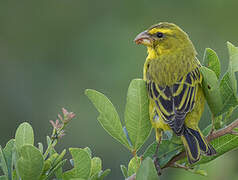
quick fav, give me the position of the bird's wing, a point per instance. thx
(174, 102)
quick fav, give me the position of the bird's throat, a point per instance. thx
(152, 54)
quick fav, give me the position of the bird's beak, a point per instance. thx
(143, 38)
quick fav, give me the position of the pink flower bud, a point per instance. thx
(60, 117)
(71, 115)
(65, 112)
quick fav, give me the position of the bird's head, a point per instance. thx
(165, 38)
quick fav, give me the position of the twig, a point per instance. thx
(210, 137)
(222, 132)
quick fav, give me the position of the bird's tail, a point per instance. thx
(195, 144)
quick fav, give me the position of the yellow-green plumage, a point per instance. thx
(173, 79)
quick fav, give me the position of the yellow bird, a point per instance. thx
(173, 80)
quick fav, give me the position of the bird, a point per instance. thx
(173, 81)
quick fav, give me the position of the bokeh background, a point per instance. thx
(52, 50)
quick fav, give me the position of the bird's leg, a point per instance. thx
(213, 126)
(156, 160)
(155, 157)
(217, 123)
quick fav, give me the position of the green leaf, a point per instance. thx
(58, 170)
(207, 130)
(15, 157)
(14, 175)
(201, 172)
(103, 174)
(82, 164)
(227, 92)
(51, 161)
(197, 170)
(3, 178)
(108, 116)
(30, 163)
(211, 90)
(228, 85)
(59, 158)
(233, 53)
(47, 165)
(231, 115)
(24, 135)
(137, 113)
(88, 150)
(211, 61)
(8, 153)
(52, 144)
(100, 175)
(133, 165)
(124, 171)
(6, 158)
(96, 165)
(55, 170)
(147, 170)
(48, 140)
(167, 150)
(3, 162)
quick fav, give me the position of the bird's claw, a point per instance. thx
(212, 131)
(157, 166)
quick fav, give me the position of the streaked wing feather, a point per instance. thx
(174, 102)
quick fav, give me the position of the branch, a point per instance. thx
(224, 131)
(210, 137)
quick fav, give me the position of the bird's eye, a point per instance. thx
(159, 34)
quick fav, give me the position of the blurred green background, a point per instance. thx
(52, 50)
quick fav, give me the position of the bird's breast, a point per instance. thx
(165, 71)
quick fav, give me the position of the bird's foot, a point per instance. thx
(157, 166)
(211, 131)
(155, 157)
